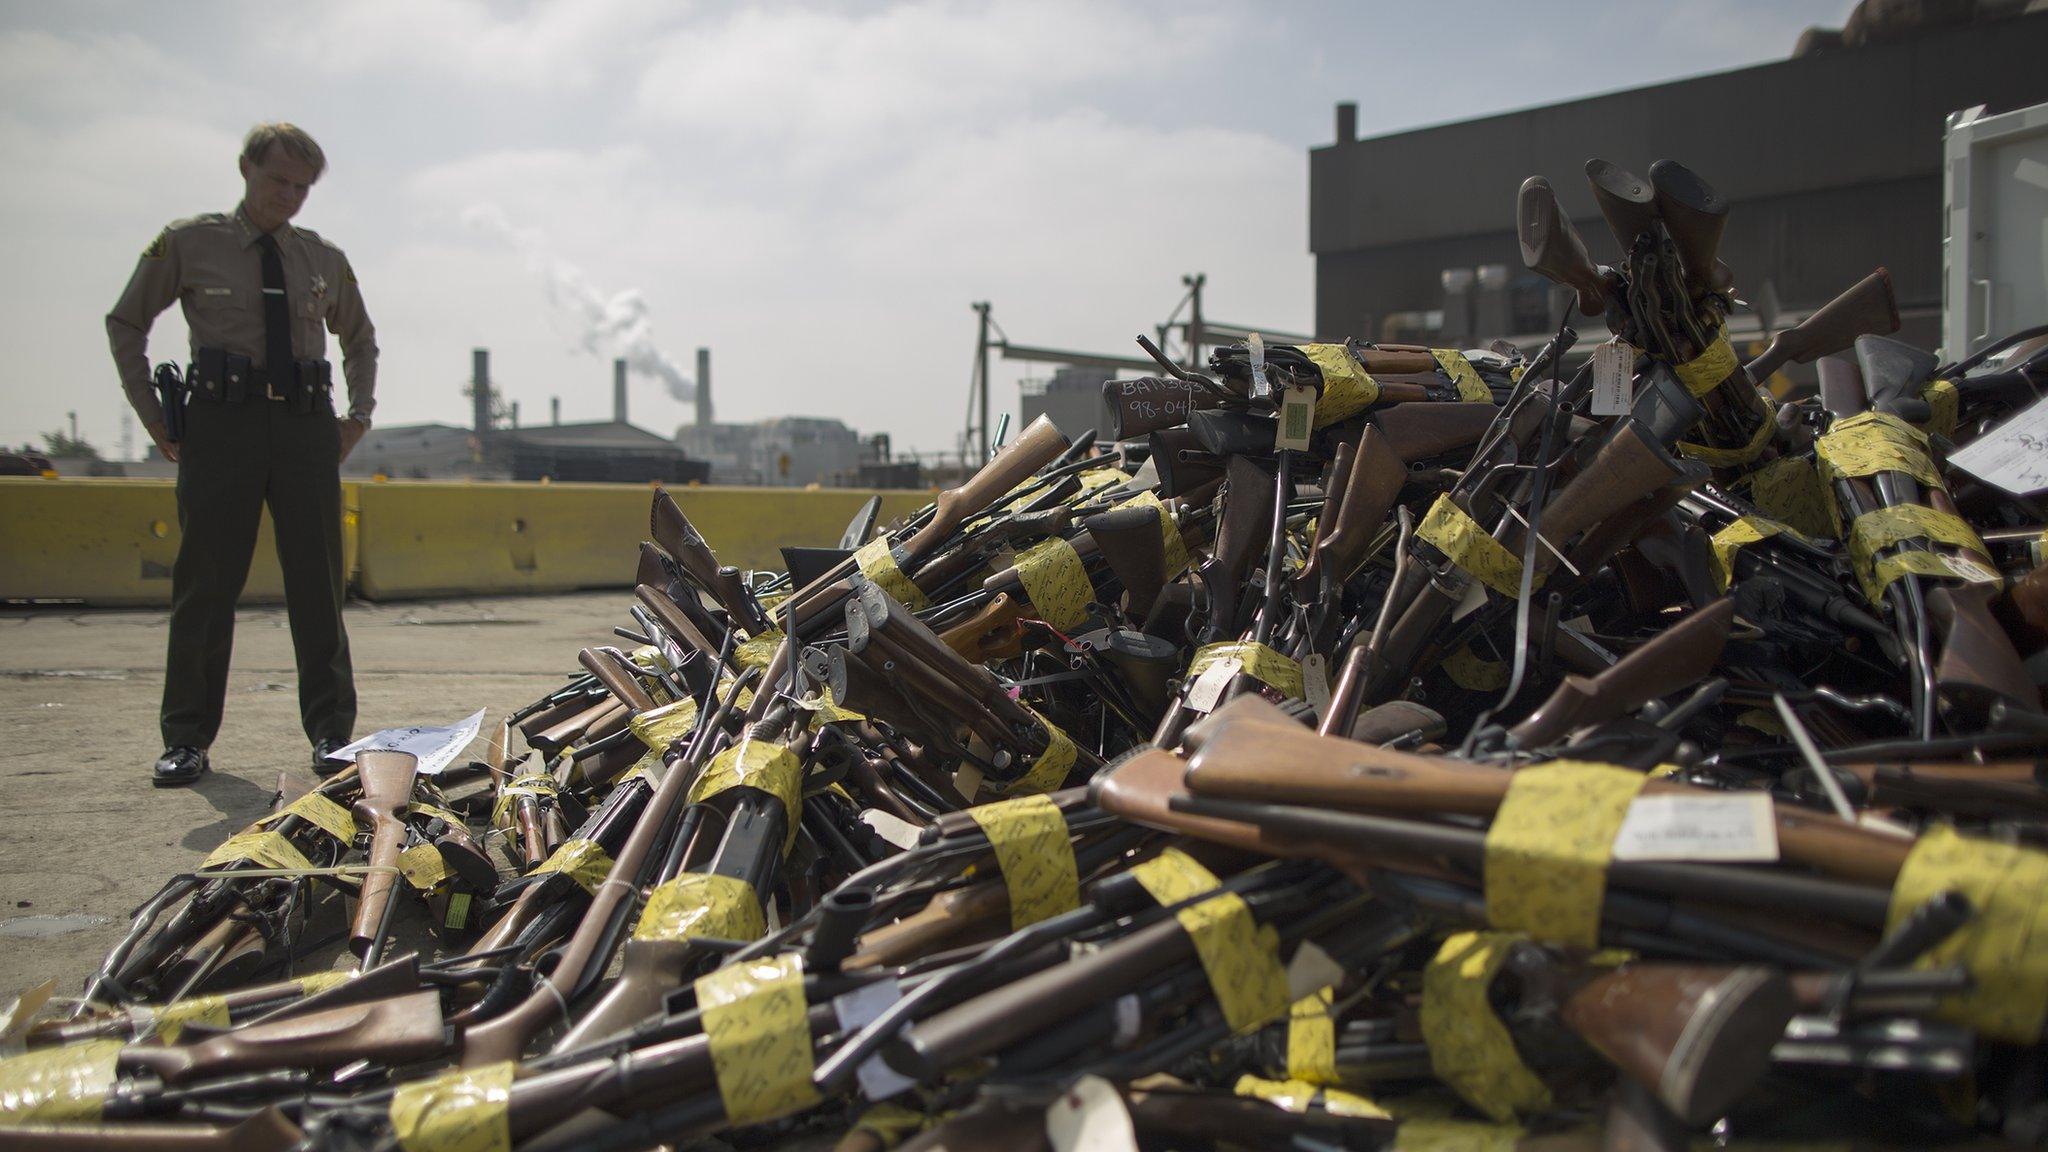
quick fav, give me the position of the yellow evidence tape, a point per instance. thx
(1312, 1038)
(1266, 665)
(697, 904)
(1547, 852)
(1241, 958)
(63, 1085)
(270, 849)
(321, 813)
(461, 1110)
(1469, 1047)
(660, 727)
(1452, 531)
(1471, 389)
(2005, 944)
(758, 1025)
(878, 563)
(583, 861)
(1347, 388)
(1704, 372)
(1035, 855)
(1056, 581)
(758, 764)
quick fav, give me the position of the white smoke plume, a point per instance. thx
(614, 326)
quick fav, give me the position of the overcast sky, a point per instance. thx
(815, 191)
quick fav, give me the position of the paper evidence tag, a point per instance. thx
(1208, 688)
(1737, 827)
(1297, 418)
(2013, 456)
(1315, 683)
(1090, 1116)
(1613, 386)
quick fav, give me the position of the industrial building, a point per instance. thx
(490, 449)
(1831, 161)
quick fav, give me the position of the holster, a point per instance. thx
(170, 394)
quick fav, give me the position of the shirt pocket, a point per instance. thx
(216, 310)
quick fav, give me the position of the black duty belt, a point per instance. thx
(224, 377)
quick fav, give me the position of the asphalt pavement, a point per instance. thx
(85, 838)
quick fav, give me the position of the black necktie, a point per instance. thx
(277, 316)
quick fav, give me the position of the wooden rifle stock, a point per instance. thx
(266, 1131)
(618, 676)
(1255, 752)
(394, 1031)
(1868, 307)
(1240, 538)
(992, 633)
(1038, 445)
(1694, 214)
(1979, 666)
(680, 539)
(1698, 1038)
(387, 779)
(1552, 247)
(1375, 479)
(1129, 541)
(1626, 201)
(1416, 432)
(1675, 659)
(1326, 518)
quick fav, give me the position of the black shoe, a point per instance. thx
(179, 766)
(321, 764)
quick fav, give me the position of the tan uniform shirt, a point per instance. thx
(211, 266)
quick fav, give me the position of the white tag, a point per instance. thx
(855, 1010)
(1208, 688)
(1315, 684)
(895, 829)
(1732, 827)
(967, 780)
(2013, 456)
(1613, 389)
(435, 747)
(1311, 971)
(1473, 600)
(1297, 418)
(1260, 388)
(16, 1018)
(1972, 570)
(1090, 1117)
(1130, 1020)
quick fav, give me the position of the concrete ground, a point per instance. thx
(85, 838)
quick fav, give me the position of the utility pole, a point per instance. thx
(981, 378)
(74, 424)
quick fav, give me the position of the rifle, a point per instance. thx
(387, 779)
(1868, 307)
(1253, 752)
(1694, 214)
(675, 535)
(1626, 201)
(1552, 247)
(1675, 659)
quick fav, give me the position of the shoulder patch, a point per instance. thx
(348, 271)
(159, 247)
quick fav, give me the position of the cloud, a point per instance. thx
(616, 324)
(540, 47)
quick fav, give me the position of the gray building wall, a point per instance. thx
(1831, 164)
(1072, 399)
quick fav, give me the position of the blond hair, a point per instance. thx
(296, 142)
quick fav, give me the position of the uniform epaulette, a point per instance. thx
(196, 221)
(315, 237)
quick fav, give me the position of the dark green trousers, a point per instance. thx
(235, 459)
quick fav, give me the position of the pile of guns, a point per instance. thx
(1376, 748)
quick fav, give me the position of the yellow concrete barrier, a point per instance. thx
(111, 542)
(421, 538)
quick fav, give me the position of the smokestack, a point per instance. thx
(1347, 123)
(703, 387)
(480, 391)
(515, 414)
(554, 409)
(619, 391)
